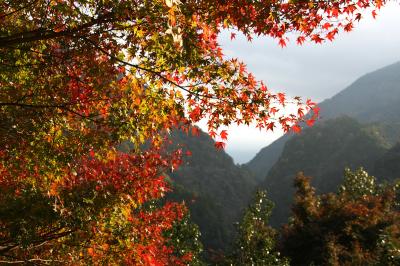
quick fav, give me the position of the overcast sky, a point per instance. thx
(313, 71)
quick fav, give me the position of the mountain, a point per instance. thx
(375, 97)
(214, 188)
(388, 166)
(322, 152)
(267, 157)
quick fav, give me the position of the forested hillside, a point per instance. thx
(358, 126)
(388, 166)
(323, 152)
(215, 189)
(375, 97)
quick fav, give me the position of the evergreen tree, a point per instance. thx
(184, 237)
(256, 241)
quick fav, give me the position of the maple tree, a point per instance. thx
(78, 78)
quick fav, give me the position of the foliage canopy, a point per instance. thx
(359, 225)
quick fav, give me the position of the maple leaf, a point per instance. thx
(282, 42)
(121, 69)
(273, 110)
(281, 97)
(263, 87)
(331, 35)
(316, 110)
(242, 67)
(348, 27)
(224, 135)
(300, 40)
(212, 134)
(310, 103)
(296, 128)
(335, 12)
(310, 122)
(271, 126)
(220, 145)
(195, 114)
(326, 26)
(316, 38)
(300, 112)
(374, 14)
(350, 9)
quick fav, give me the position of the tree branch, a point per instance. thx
(19, 9)
(45, 34)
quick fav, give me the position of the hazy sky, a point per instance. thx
(313, 71)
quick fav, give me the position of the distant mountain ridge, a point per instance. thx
(359, 126)
(374, 97)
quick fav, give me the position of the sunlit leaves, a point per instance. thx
(80, 78)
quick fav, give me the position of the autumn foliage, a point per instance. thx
(79, 78)
(359, 225)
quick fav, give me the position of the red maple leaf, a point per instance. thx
(224, 135)
(310, 122)
(282, 42)
(296, 128)
(271, 126)
(212, 134)
(374, 14)
(220, 145)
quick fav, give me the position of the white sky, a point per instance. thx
(312, 71)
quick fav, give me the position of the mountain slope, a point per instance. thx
(388, 166)
(375, 97)
(322, 152)
(267, 157)
(214, 188)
